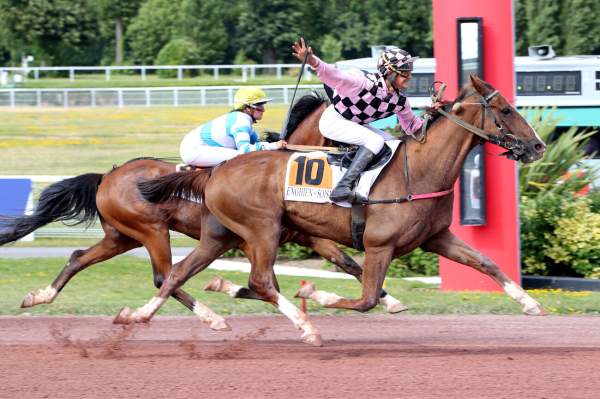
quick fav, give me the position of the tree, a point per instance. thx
(267, 29)
(544, 22)
(152, 28)
(581, 32)
(406, 24)
(203, 23)
(118, 13)
(56, 32)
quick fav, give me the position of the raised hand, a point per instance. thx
(300, 50)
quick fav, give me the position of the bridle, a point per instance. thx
(514, 146)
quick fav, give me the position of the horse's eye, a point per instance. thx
(505, 111)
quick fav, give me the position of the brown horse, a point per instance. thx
(130, 222)
(238, 193)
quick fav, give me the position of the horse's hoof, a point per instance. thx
(312, 339)
(534, 311)
(305, 291)
(396, 308)
(124, 316)
(220, 325)
(214, 285)
(28, 301)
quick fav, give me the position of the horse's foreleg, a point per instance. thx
(375, 267)
(330, 251)
(111, 245)
(448, 245)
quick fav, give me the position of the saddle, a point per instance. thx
(345, 159)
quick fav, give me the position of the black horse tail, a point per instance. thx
(183, 185)
(69, 199)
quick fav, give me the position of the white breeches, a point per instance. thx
(335, 127)
(204, 155)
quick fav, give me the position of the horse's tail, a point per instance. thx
(69, 199)
(175, 185)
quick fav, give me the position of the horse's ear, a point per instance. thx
(478, 84)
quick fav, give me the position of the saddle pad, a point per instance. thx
(310, 178)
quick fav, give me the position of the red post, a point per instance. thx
(499, 238)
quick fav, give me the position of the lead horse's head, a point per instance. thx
(509, 129)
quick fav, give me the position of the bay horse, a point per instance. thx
(130, 222)
(246, 196)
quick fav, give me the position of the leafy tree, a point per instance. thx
(351, 28)
(405, 24)
(544, 22)
(520, 27)
(331, 49)
(116, 15)
(266, 30)
(203, 23)
(55, 32)
(581, 32)
(152, 28)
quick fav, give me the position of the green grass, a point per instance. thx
(127, 281)
(55, 141)
(120, 80)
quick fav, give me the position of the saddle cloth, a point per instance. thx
(310, 177)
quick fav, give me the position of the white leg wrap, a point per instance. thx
(231, 289)
(146, 311)
(296, 316)
(325, 298)
(391, 304)
(45, 295)
(207, 315)
(530, 305)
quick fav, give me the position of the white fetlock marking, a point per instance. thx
(230, 288)
(45, 295)
(519, 295)
(205, 313)
(325, 298)
(389, 302)
(148, 309)
(295, 315)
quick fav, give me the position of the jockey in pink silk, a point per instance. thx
(359, 98)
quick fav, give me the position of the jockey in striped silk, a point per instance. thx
(229, 135)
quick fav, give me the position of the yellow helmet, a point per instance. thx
(249, 96)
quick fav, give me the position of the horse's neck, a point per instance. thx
(307, 132)
(436, 164)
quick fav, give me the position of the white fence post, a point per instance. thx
(143, 73)
(229, 96)
(203, 96)
(120, 98)
(93, 97)
(65, 99)
(11, 96)
(71, 74)
(179, 73)
(38, 98)
(147, 97)
(278, 69)
(176, 97)
(216, 73)
(107, 74)
(286, 99)
(244, 75)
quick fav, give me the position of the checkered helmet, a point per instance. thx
(393, 60)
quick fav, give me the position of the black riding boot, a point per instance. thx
(343, 191)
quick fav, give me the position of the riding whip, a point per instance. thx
(284, 131)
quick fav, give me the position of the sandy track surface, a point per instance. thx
(378, 356)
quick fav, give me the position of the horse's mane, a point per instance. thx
(301, 109)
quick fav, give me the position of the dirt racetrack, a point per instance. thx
(373, 356)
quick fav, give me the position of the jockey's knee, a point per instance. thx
(374, 143)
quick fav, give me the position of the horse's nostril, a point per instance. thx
(539, 147)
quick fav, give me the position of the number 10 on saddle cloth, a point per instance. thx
(310, 177)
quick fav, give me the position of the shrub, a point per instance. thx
(177, 52)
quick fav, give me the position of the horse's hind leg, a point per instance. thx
(113, 244)
(330, 251)
(215, 240)
(448, 245)
(158, 246)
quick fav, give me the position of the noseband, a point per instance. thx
(514, 146)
